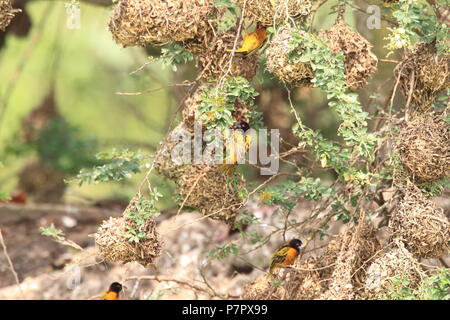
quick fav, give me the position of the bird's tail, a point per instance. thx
(241, 50)
(227, 169)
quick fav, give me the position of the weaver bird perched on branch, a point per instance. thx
(236, 145)
(113, 292)
(252, 41)
(285, 256)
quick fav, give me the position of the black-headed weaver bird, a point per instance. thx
(236, 145)
(285, 255)
(113, 292)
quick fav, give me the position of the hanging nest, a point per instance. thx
(166, 163)
(424, 148)
(349, 252)
(263, 289)
(270, 12)
(40, 117)
(396, 264)
(206, 188)
(140, 22)
(42, 183)
(241, 111)
(421, 225)
(213, 59)
(7, 13)
(306, 281)
(114, 246)
(360, 62)
(423, 74)
(295, 73)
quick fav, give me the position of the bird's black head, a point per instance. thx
(115, 287)
(241, 125)
(295, 243)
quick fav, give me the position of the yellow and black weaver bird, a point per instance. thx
(252, 41)
(236, 145)
(285, 255)
(113, 292)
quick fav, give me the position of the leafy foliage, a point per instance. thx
(329, 75)
(221, 252)
(413, 16)
(53, 232)
(230, 15)
(287, 194)
(218, 103)
(119, 165)
(139, 211)
(174, 55)
(434, 287)
(59, 145)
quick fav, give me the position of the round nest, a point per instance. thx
(114, 246)
(270, 12)
(7, 13)
(139, 22)
(423, 74)
(348, 253)
(263, 289)
(424, 148)
(206, 188)
(166, 163)
(241, 111)
(421, 225)
(43, 183)
(360, 62)
(295, 73)
(396, 264)
(306, 281)
(213, 59)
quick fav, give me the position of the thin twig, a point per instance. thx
(8, 258)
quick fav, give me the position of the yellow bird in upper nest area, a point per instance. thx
(113, 292)
(252, 41)
(388, 3)
(285, 256)
(236, 145)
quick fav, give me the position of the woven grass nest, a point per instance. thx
(397, 263)
(241, 111)
(294, 73)
(164, 163)
(306, 281)
(423, 74)
(213, 59)
(421, 225)
(201, 186)
(139, 22)
(360, 63)
(114, 246)
(424, 148)
(206, 188)
(270, 12)
(7, 13)
(43, 183)
(348, 253)
(263, 289)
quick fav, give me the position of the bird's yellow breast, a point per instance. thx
(291, 255)
(110, 295)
